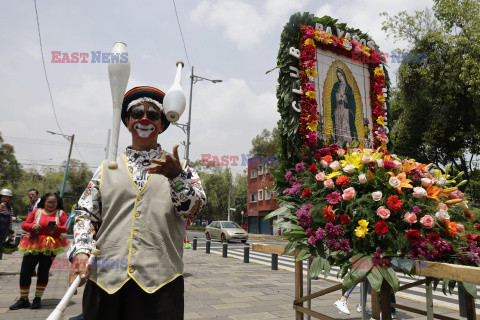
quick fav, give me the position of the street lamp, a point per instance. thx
(69, 138)
(186, 127)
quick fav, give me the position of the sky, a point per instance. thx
(236, 41)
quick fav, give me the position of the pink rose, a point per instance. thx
(457, 194)
(461, 227)
(362, 178)
(419, 192)
(377, 195)
(442, 215)
(349, 169)
(328, 183)
(383, 212)
(442, 206)
(410, 217)
(324, 163)
(394, 182)
(335, 166)
(348, 194)
(320, 176)
(427, 221)
(426, 182)
(341, 152)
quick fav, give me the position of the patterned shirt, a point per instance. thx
(187, 195)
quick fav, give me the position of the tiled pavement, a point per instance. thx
(215, 288)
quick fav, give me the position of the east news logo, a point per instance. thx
(92, 57)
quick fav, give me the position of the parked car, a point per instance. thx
(225, 231)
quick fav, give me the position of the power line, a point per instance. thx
(45, 69)
(181, 33)
(9, 139)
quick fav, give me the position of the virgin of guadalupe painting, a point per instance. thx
(342, 105)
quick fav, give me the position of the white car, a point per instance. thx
(225, 231)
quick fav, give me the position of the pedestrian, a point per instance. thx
(34, 200)
(135, 215)
(6, 214)
(44, 241)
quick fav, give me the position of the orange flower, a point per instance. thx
(329, 215)
(451, 228)
(343, 181)
(404, 182)
(394, 203)
(432, 192)
(409, 165)
(328, 158)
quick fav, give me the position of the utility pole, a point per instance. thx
(229, 195)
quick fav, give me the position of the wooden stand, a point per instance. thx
(381, 301)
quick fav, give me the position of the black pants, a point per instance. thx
(131, 302)
(28, 265)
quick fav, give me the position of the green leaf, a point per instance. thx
(290, 225)
(327, 267)
(375, 278)
(304, 254)
(291, 246)
(316, 267)
(469, 288)
(295, 234)
(445, 283)
(277, 212)
(391, 278)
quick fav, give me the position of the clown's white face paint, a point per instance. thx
(143, 131)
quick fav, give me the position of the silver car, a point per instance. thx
(225, 231)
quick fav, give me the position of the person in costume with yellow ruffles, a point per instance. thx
(43, 242)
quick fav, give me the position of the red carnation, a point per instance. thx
(313, 169)
(328, 213)
(343, 181)
(318, 156)
(477, 226)
(344, 219)
(306, 193)
(433, 237)
(381, 228)
(394, 203)
(414, 236)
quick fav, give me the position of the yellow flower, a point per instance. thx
(384, 145)
(309, 41)
(366, 51)
(381, 121)
(378, 71)
(380, 98)
(362, 229)
(318, 35)
(312, 126)
(355, 159)
(332, 175)
(311, 72)
(311, 94)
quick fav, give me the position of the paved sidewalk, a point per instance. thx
(215, 288)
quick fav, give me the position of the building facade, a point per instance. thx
(260, 195)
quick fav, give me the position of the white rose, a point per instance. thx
(441, 181)
(324, 163)
(341, 152)
(419, 192)
(349, 169)
(442, 215)
(366, 158)
(380, 163)
(426, 182)
(397, 164)
(377, 195)
(362, 178)
(394, 182)
(335, 166)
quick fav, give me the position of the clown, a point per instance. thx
(136, 213)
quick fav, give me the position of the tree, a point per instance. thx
(436, 109)
(10, 169)
(266, 143)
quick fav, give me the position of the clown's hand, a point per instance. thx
(169, 167)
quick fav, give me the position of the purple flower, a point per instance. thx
(330, 230)
(415, 174)
(333, 244)
(339, 232)
(299, 167)
(416, 210)
(334, 197)
(344, 245)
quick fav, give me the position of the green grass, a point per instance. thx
(196, 228)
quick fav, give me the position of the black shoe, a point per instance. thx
(21, 303)
(79, 317)
(36, 303)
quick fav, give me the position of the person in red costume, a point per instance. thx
(43, 242)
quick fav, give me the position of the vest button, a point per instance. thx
(135, 233)
(131, 269)
(137, 214)
(139, 198)
(134, 250)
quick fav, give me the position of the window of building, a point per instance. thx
(253, 197)
(260, 195)
(260, 170)
(253, 173)
(268, 194)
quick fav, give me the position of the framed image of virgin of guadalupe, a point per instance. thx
(342, 105)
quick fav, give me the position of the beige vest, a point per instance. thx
(140, 237)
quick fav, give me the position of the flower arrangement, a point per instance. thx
(361, 208)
